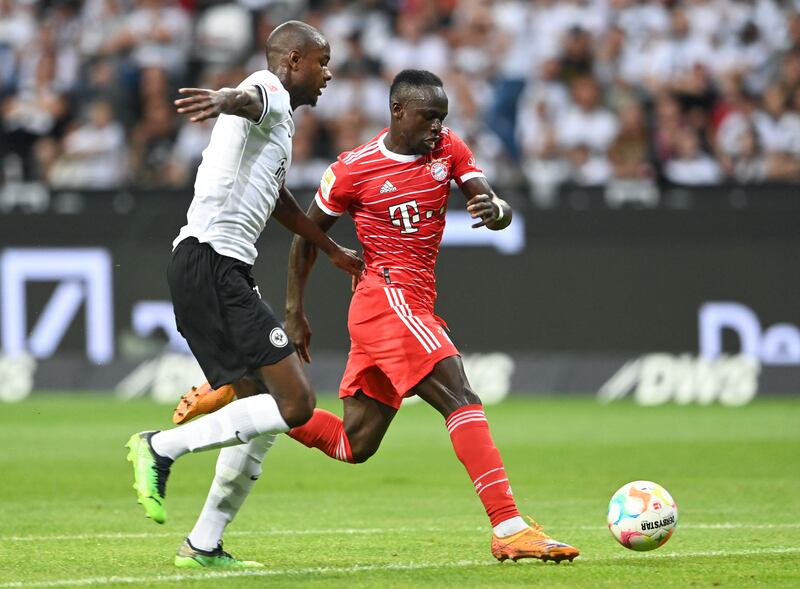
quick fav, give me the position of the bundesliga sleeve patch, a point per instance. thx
(325, 185)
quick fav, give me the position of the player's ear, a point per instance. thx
(294, 57)
(397, 110)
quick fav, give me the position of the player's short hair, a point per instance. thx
(291, 35)
(412, 79)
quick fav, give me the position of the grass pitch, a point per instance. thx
(409, 517)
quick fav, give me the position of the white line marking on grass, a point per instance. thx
(705, 553)
(269, 532)
(359, 531)
(701, 526)
(738, 526)
(202, 576)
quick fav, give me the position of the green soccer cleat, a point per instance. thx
(150, 473)
(189, 557)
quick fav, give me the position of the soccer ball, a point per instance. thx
(642, 515)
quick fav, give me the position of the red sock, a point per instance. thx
(469, 432)
(324, 431)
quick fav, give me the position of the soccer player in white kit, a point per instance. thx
(234, 335)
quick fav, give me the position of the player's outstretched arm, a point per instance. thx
(290, 215)
(484, 204)
(202, 103)
(302, 256)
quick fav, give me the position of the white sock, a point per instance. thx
(238, 468)
(509, 527)
(236, 423)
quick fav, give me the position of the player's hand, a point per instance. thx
(347, 260)
(299, 332)
(201, 103)
(483, 207)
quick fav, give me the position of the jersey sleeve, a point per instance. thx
(273, 98)
(464, 166)
(335, 190)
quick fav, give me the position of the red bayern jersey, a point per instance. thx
(398, 203)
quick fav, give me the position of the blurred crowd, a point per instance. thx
(546, 92)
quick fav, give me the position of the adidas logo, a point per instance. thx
(388, 187)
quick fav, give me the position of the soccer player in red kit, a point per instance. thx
(396, 187)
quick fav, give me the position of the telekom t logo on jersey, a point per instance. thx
(405, 215)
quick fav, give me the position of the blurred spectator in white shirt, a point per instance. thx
(45, 45)
(553, 18)
(735, 122)
(672, 59)
(17, 29)
(358, 86)
(586, 122)
(619, 64)
(749, 164)
(157, 34)
(545, 86)
(641, 20)
(414, 47)
(587, 168)
(778, 128)
(748, 56)
(690, 165)
(32, 113)
(542, 163)
(94, 155)
(213, 41)
(101, 20)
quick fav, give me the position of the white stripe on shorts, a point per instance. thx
(404, 313)
(418, 320)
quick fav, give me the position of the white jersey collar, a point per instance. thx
(398, 157)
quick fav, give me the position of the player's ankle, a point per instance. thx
(510, 527)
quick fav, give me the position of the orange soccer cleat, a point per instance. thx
(202, 400)
(532, 543)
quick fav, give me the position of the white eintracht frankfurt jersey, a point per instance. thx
(243, 169)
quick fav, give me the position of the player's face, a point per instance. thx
(423, 119)
(314, 73)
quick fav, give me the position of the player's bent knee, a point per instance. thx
(362, 453)
(298, 411)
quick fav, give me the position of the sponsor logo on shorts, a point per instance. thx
(278, 338)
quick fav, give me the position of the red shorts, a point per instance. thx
(395, 341)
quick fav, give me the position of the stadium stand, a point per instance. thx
(547, 92)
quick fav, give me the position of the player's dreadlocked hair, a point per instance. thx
(408, 79)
